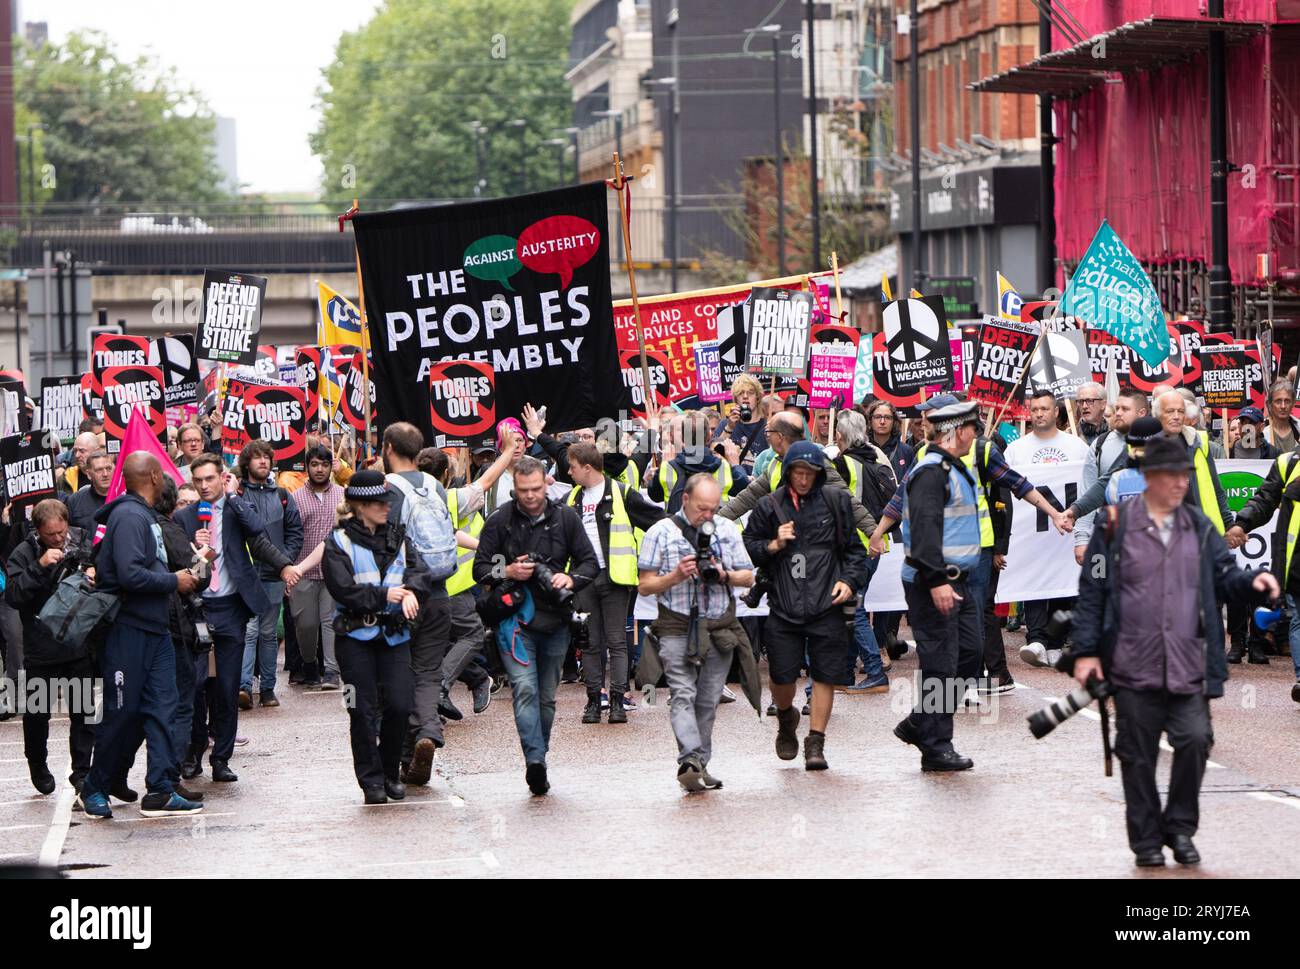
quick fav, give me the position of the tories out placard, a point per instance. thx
(231, 317)
(278, 416)
(462, 404)
(125, 389)
(521, 284)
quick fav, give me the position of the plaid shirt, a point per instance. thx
(317, 512)
(664, 546)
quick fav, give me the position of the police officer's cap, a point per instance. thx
(366, 486)
(944, 419)
(937, 401)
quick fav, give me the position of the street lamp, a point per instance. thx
(572, 132)
(522, 125)
(778, 158)
(671, 84)
(563, 145)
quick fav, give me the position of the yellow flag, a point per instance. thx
(886, 293)
(916, 294)
(340, 321)
(1009, 301)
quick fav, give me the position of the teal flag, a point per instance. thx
(1111, 291)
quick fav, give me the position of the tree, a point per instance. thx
(398, 99)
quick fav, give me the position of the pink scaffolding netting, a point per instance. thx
(1137, 153)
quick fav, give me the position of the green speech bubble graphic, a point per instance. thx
(493, 258)
(1239, 487)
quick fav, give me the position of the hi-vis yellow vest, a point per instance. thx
(1205, 484)
(1293, 525)
(668, 478)
(981, 493)
(630, 476)
(463, 577)
(855, 472)
(621, 560)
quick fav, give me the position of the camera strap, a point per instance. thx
(761, 429)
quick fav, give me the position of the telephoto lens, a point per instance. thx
(708, 572)
(543, 576)
(1044, 721)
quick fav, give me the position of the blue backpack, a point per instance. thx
(428, 524)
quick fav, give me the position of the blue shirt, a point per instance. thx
(664, 546)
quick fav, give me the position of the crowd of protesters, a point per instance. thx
(401, 571)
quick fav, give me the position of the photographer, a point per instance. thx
(802, 535)
(528, 543)
(610, 511)
(36, 566)
(697, 629)
(378, 579)
(744, 423)
(1148, 622)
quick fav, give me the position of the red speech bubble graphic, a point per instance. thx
(559, 244)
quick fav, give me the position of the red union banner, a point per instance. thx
(674, 323)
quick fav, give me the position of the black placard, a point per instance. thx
(231, 318)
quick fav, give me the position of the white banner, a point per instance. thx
(1040, 562)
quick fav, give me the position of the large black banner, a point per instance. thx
(521, 284)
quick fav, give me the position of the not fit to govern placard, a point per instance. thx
(232, 317)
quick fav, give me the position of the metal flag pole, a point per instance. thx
(621, 183)
(348, 216)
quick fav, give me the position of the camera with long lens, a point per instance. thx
(1044, 721)
(580, 627)
(762, 586)
(705, 568)
(543, 575)
(746, 413)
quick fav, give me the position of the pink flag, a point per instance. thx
(139, 437)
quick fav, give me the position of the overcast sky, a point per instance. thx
(257, 61)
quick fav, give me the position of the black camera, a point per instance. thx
(543, 576)
(746, 414)
(1044, 721)
(762, 586)
(580, 628)
(707, 571)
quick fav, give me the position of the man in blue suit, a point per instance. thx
(234, 595)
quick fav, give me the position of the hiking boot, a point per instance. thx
(592, 713)
(420, 769)
(787, 733)
(814, 757)
(617, 714)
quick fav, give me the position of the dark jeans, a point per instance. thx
(81, 734)
(181, 724)
(383, 693)
(1141, 716)
(995, 651)
(1037, 613)
(427, 648)
(139, 695)
(227, 620)
(944, 645)
(606, 606)
(533, 685)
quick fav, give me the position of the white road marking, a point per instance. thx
(490, 860)
(52, 846)
(1266, 796)
(1092, 714)
(482, 859)
(178, 817)
(20, 827)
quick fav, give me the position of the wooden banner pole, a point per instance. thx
(619, 184)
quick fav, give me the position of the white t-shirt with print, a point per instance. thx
(1057, 449)
(589, 502)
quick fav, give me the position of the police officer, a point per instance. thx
(941, 545)
(613, 515)
(377, 580)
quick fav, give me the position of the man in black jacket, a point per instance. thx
(83, 506)
(36, 567)
(610, 512)
(533, 648)
(139, 662)
(802, 536)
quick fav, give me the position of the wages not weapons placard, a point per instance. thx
(916, 336)
(231, 317)
(1059, 365)
(462, 404)
(521, 284)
